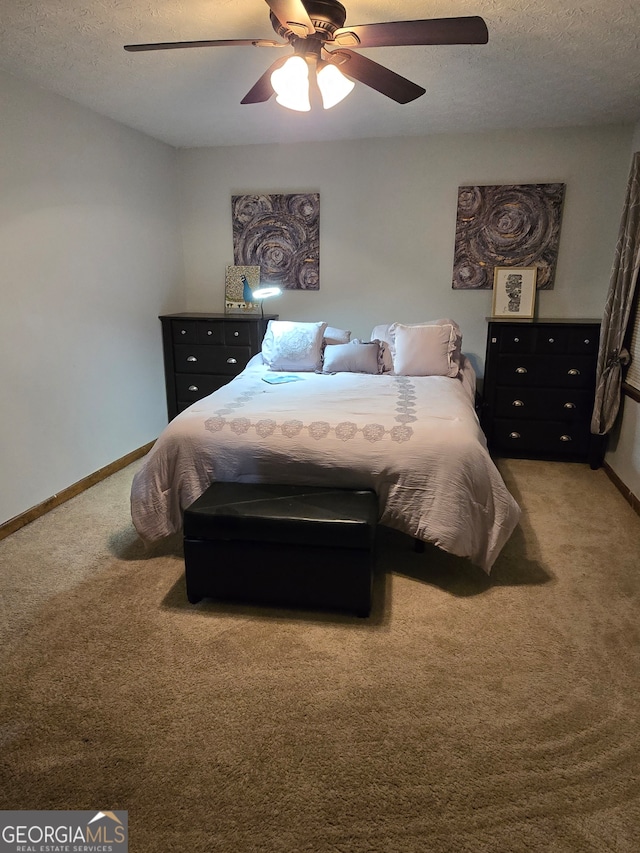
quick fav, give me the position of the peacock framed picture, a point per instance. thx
(240, 282)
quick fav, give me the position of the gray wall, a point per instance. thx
(388, 209)
(89, 242)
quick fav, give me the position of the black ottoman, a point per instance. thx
(297, 546)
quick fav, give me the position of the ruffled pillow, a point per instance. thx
(385, 333)
(424, 350)
(293, 346)
(381, 333)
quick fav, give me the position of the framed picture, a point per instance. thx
(240, 282)
(514, 291)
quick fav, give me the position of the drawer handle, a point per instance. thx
(183, 331)
(551, 341)
(569, 405)
(587, 341)
(521, 369)
(235, 334)
(517, 403)
(516, 340)
(209, 332)
(565, 438)
(573, 372)
(232, 360)
(193, 388)
(514, 435)
(191, 358)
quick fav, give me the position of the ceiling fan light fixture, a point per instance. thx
(291, 84)
(311, 26)
(334, 86)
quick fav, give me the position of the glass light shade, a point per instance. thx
(291, 84)
(334, 86)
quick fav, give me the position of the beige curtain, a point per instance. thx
(612, 355)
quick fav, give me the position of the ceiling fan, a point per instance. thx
(311, 27)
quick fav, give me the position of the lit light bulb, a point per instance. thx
(291, 84)
(267, 292)
(334, 86)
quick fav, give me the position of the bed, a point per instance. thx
(395, 414)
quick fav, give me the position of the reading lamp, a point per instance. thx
(263, 293)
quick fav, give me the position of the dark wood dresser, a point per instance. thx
(539, 388)
(202, 352)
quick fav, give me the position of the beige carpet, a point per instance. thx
(467, 714)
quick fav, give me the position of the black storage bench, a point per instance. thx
(296, 546)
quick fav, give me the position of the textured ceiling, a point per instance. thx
(548, 63)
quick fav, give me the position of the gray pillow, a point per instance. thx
(354, 357)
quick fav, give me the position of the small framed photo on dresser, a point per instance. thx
(514, 292)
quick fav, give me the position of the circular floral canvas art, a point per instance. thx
(280, 234)
(506, 226)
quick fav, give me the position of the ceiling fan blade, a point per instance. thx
(293, 15)
(376, 76)
(262, 89)
(469, 30)
(172, 45)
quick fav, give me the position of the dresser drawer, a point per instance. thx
(540, 437)
(566, 371)
(211, 332)
(552, 339)
(544, 404)
(192, 387)
(237, 334)
(551, 371)
(184, 331)
(584, 340)
(201, 358)
(517, 371)
(516, 338)
(212, 384)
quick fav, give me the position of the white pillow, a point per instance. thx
(424, 350)
(457, 352)
(385, 332)
(293, 346)
(354, 357)
(381, 333)
(336, 336)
